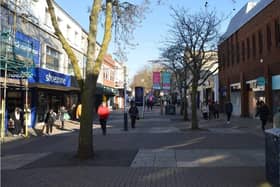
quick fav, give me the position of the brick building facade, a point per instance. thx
(249, 58)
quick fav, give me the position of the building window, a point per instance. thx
(112, 75)
(243, 51)
(228, 62)
(106, 75)
(237, 53)
(68, 32)
(268, 37)
(76, 38)
(254, 45)
(232, 52)
(248, 47)
(47, 17)
(277, 32)
(70, 67)
(52, 59)
(82, 42)
(260, 42)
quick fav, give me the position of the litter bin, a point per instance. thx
(170, 109)
(272, 156)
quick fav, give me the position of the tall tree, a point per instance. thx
(196, 34)
(121, 17)
(175, 62)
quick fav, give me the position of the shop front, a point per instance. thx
(235, 98)
(275, 92)
(50, 90)
(256, 92)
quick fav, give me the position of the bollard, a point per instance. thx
(272, 155)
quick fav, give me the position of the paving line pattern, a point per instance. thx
(199, 158)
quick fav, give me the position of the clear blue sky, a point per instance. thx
(151, 33)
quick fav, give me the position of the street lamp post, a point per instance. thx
(143, 109)
(161, 93)
(125, 111)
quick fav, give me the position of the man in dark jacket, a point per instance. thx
(228, 109)
(263, 112)
(133, 113)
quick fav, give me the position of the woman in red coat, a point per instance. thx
(103, 113)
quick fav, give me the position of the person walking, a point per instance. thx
(103, 113)
(16, 121)
(62, 112)
(79, 112)
(49, 121)
(276, 119)
(216, 110)
(133, 113)
(205, 110)
(263, 113)
(228, 110)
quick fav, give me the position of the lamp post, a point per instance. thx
(161, 94)
(143, 80)
(124, 90)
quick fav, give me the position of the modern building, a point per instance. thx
(249, 60)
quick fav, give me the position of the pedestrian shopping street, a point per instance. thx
(160, 151)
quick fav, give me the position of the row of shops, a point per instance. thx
(260, 89)
(46, 89)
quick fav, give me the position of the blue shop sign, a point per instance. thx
(27, 47)
(50, 77)
(260, 81)
(276, 82)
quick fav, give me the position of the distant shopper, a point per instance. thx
(133, 113)
(216, 110)
(205, 110)
(62, 113)
(228, 110)
(103, 113)
(16, 121)
(79, 112)
(276, 119)
(49, 121)
(72, 112)
(263, 112)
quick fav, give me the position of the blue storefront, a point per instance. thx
(50, 89)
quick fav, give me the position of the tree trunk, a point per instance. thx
(186, 117)
(85, 148)
(194, 104)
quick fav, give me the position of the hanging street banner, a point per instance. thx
(166, 80)
(156, 80)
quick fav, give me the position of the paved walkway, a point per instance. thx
(161, 151)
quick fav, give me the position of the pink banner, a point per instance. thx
(156, 80)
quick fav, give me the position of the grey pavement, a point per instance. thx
(161, 151)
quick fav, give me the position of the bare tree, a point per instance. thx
(121, 17)
(175, 62)
(197, 35)
(143, 78)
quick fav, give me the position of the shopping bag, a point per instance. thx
(66, 116)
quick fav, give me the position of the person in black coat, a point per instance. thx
(49, 120)
(16, 119)
(228, 110)
(133, 113)
(263, 112)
